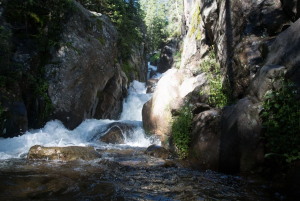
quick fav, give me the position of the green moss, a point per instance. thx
(196, 22)
(98, 94)
(101, 41)
(99, 22)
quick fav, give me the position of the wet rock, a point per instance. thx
(113, 136)
(166, 57)
(157, 151)
(151, 84)
(205, 138)
(114, 133)
(71, 153)
(152, 73)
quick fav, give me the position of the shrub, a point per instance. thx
(181, 129)
(219, 94)
(281, 119)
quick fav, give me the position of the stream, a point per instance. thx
(123, 172)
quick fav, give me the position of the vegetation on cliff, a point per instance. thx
(281, 120)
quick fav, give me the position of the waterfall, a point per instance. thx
(55, 134)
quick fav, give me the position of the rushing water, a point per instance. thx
(123, 172)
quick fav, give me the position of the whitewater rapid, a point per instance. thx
(56, 134)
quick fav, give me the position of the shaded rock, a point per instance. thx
(157, 151)
(247, 59)
(290, 6)
(205, 139)
(84, 79)
(13, 120)
(264, 81)
(113, 136)
(71, 153)
(152, 73)
(151, 85)
(286, 52)
(241, 144)
(293, 179)
(200, 107)
(166, 57)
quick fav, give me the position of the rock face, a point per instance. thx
(166, 60)
(72, 153)
(84, 80)
(255, 43)
(151, 84)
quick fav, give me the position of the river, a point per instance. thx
(123, 172)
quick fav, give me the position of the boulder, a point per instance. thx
(71, 153)
(172, 87)
(113, 136)
(166, 59)
(156, 116)
(205, 138)
(241, 144)
(84, 79)
(157, 151)
(114, 133)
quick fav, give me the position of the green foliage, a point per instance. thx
(219, 94)
(127, 18)
(281, 119)
(181, 130)
(128, 68)
(177, 59)
(43, 20)
(155, 57)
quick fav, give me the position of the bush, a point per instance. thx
(281, 119)
(181, 130)
(219, 94)
(155, 57)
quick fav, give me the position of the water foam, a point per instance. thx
(55, 134)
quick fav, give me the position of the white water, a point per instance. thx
(154, 68)
(55, 134)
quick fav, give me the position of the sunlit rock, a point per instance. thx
(71, 153)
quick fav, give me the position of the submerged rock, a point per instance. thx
(71, 153)
(157, 151)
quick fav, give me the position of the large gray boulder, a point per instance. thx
(84, 79)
